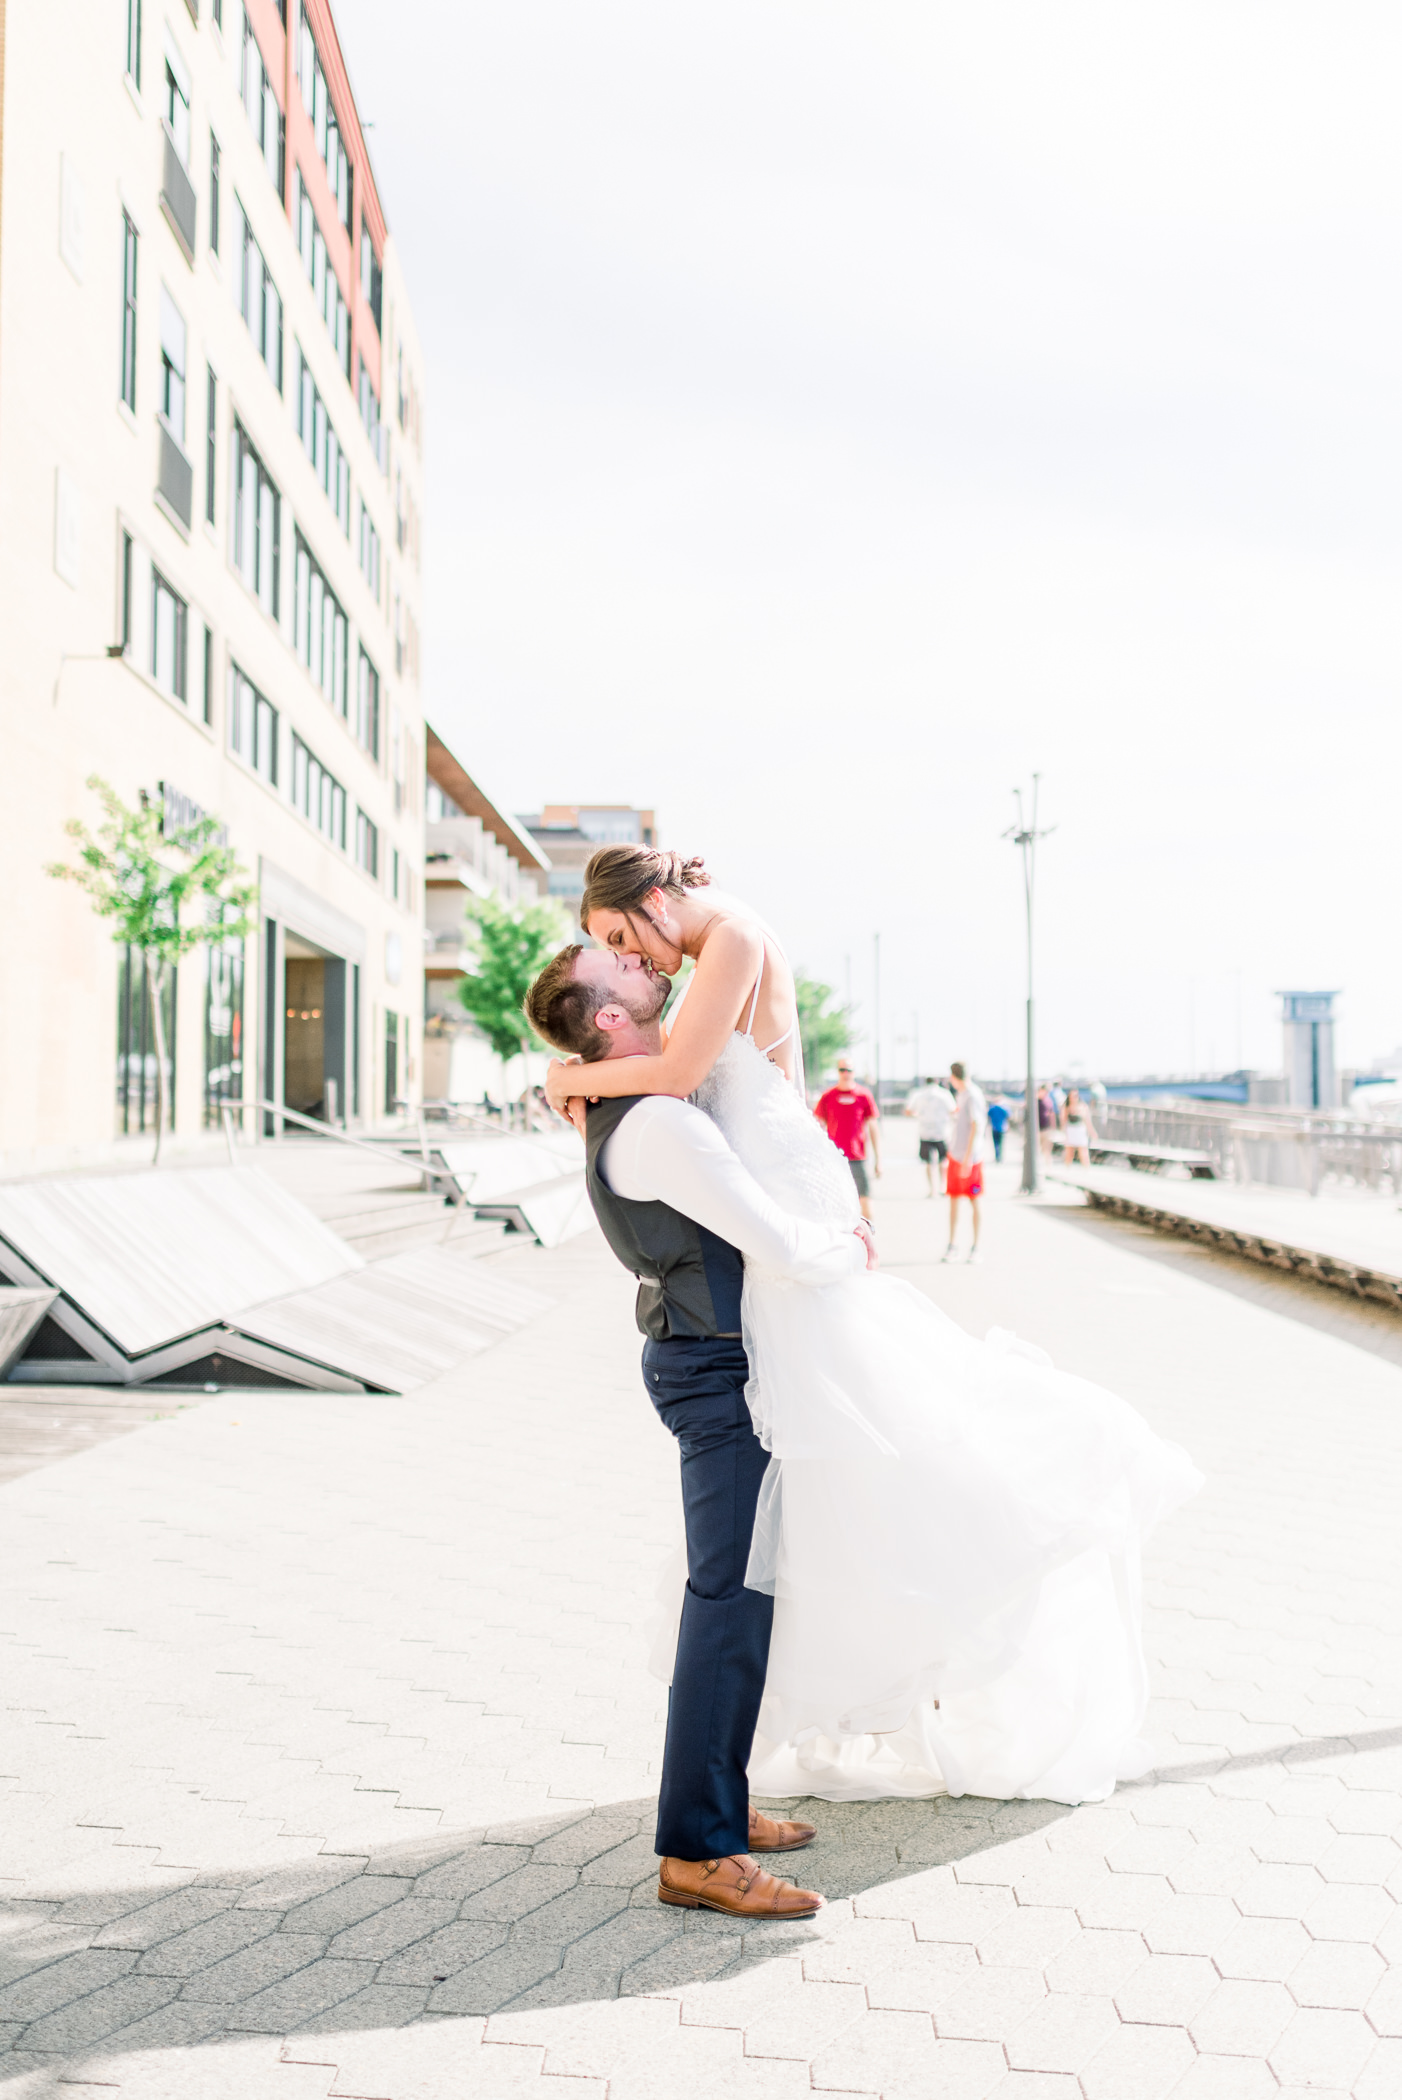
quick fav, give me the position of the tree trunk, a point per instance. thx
(155, 986)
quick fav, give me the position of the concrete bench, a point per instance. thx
(1150, 1159)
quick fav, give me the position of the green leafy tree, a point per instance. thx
(511, 945)
(144, 882)
(824, 1029)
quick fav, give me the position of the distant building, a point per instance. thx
(473, 849)
(211, 470)
(1307, 1020)
(570, 832)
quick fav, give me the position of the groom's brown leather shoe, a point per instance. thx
(767, 1834)
(735, 1885)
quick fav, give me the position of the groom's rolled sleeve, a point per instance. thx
(667, 1151)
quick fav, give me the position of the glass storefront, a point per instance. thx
(223, 1028)
(136, 1047)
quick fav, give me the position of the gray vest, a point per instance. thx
(689, 1280)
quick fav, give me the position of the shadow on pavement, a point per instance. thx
(553, 1912)
(1302, 1750)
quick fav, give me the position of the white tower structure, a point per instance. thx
(1307, 1020)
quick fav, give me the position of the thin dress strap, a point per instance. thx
(782, 1039)
(754, 1003)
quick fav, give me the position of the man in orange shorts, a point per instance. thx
(964, 1177)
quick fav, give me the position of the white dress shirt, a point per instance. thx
(666, 1151)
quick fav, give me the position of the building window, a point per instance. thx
(367, 706)
(372, 280)
(322, 637)
(391, 1063)
(252, 725)
(172, 367)
(367, 844)
(320, 798)
(257, 296)
(409, 421)
(213, 193)
(395, 877)
(223, 1027)
(316, 99)
(322, 277)
(211, 417)
(258, 97)
(126, 593)
(370, 415)
(170, 620)
(321, 444)
(128, 312)
(134, 41)
(370, 551)
(177, 109)
(136, 1046)
(257, 524)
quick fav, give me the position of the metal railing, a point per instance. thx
(178, 195)
(433, 1177)
(1278, 1148)
(175, 477)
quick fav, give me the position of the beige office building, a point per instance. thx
(210, 500)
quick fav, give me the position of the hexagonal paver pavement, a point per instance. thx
(331, 1752)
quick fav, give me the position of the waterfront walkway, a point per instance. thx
(1350, 1238)
(330, 1752)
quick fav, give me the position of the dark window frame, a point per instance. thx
(223, 1081)
(126, 592)
(180, 670)
(136, 1041)
(211, 411)
(130, 257)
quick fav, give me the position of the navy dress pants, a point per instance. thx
(698, 1389)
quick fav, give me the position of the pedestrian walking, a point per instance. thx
(999, 1115)
(1077, 1130)
(932, 1106)
(848, 1114)
(964, 1174)
(1046, 1119)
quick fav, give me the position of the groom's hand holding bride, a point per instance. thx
(559, 1080)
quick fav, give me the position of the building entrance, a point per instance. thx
(314, 1031)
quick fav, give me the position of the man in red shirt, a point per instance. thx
(848, 1114)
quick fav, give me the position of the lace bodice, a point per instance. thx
(766, 1122)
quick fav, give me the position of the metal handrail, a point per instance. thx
(431, 1174)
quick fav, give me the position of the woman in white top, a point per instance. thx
(950, 1529)
(1077, 1130)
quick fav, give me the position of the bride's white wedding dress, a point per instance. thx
(942, 1520)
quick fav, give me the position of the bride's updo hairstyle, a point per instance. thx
(618, 878)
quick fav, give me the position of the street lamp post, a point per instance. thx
(876, 1013)
(1025, 835)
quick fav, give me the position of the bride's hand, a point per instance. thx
(868, 1238)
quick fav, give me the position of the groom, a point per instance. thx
(680, 1211)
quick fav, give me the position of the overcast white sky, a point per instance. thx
(837, 409)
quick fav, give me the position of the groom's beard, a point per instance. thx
(648, 1001)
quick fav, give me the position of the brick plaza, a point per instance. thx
(329, 1750)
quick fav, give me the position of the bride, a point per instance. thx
(950, 1529)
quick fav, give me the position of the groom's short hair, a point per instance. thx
(561, 1007)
